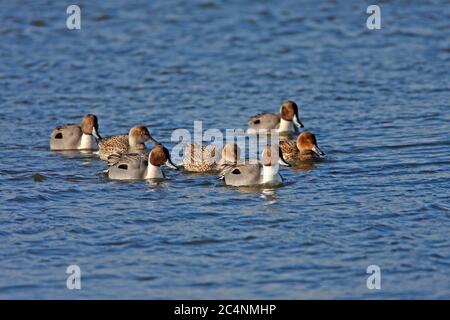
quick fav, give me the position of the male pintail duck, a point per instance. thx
(282, 121)
(264, 172)
(133, 142)
(201, 158)
(304, 148)
(137, 166)
(76, 137)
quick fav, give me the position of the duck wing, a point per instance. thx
(113, 144)
(128, 166)
(289, 149)
(199, 158)
(65, 137)
(265, 120)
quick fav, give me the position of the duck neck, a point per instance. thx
(154, 172)
(87, 142)
(270, 174)
(285, 125)
(132, 141)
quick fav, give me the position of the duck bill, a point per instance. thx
(317, 151)
(152, 140)
(171, 165)
(297, 121)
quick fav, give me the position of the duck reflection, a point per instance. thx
(77, 154)
(303, 166)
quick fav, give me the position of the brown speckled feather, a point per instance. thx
(196, 158)
(114, 144)
(289, 150)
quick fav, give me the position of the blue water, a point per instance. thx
(378, 102)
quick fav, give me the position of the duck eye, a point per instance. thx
(236, 171)
(59, 136)
(257, 122)
(123, 167)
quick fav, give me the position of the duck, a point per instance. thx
(82, 136)
(133, 142)
(138, 166)
(250, 174)
(283, 122)
(201, 158)
(304, 148)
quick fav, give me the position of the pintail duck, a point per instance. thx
(137, 166)
(304, 148)
(264, 172)
(76, 137)
(201, 158)
(282, 121)
(133, 142)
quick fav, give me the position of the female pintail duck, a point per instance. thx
(201, 158)
(133, 142)
(137, 166)
(282, 121)
(76, 137)
(264, 172)
(305, 148)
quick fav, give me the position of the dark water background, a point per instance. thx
(378, 102)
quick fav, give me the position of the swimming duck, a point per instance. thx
(133, 142)
(76, 137)
(201, 158)
(282, 121)
(137, 166)
(264, 172)
(304, 148)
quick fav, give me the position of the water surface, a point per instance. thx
(378, 102)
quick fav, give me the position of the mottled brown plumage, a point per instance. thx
(204, 158)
